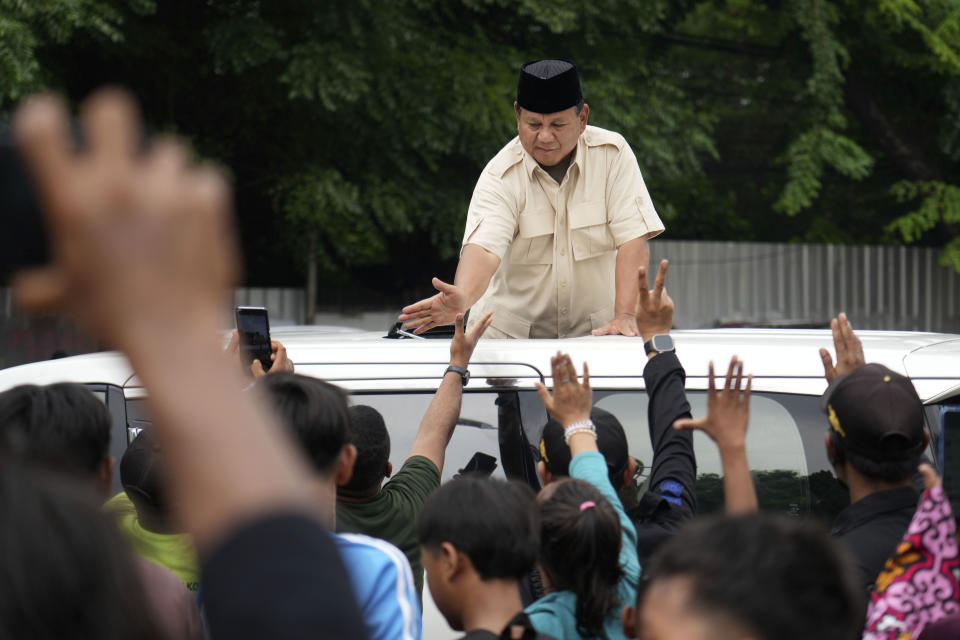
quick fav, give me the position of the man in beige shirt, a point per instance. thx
(557, 226)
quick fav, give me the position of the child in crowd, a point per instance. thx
(588, 554)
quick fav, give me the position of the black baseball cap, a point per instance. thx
(876, 413)
(611, 441)
(548, 86)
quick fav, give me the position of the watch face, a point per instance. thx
(662, 343)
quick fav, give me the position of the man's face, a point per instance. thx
(550, 137)
(435, 569)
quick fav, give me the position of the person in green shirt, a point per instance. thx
(389, 510)
(143, 512)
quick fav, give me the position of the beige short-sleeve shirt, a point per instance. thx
(557, 243)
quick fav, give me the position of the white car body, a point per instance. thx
(399, 376)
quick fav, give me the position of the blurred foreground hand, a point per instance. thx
(141, 240)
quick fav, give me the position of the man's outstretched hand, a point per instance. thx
(464, 342)
(141, 242)
(848, 347)
(436, 310)
(654, 306)
(728, 410)
(571, 400)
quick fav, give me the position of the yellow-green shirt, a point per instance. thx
(174, 551)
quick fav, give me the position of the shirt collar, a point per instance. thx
(875, 505)
(530, 165)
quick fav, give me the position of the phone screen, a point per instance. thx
(253, 326)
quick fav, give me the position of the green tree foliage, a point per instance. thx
(356, 129)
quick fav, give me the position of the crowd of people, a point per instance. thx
(268, 508)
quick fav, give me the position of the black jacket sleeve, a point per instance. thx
(671, 498)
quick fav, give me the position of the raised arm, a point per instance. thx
(143, 254)
(673, 471)
(441, 416)
(476, 267)
(728, 413)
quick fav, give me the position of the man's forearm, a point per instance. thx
(740, 496)
(439, 421)
(476, 268)
(630, 256)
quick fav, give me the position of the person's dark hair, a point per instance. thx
(61, 426)
(580, 550)
(780, 578)
(315, 411)
(493, 522)
(369, 435)
(886, 470)
(66, 572)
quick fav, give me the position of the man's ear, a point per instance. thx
(584, 116)
(628, 620)
(388, 469)
(629, 471)
(516, 112)
(545, 476)
(452, 562)
(105, 475)
(348, 457)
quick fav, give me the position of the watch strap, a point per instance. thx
(463, 372)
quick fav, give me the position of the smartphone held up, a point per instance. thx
(253, 329)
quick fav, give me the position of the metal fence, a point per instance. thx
(730, 283)
(713, 284)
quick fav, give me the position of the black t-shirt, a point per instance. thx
(872, 527)
(279, 577)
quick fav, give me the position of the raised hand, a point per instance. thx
(654, 307)
(571, 400)
(141, 242)
(848, 346)
(728, 410)
(463, 343)
(436, 310)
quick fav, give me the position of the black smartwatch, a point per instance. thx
(661, 343)
(464, 374)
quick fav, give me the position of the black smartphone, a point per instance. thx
(253, 326)
(23, 242)
(480, 463)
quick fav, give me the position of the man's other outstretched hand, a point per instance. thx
(849, 350)
(654, 306)
(464, 342)
(141, 241)
(435, 311)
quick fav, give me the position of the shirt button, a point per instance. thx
(563, 283)
(563, 311)
(563, 251)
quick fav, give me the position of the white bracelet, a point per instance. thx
(583, 426)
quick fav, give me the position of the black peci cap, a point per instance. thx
(876, 412)
(611, 441)
(548, 86)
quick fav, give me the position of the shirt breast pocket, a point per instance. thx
(589, 231)
(534, 241)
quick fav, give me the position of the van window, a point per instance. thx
(476, 430)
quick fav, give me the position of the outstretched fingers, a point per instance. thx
(661, 280)
(829, 371)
